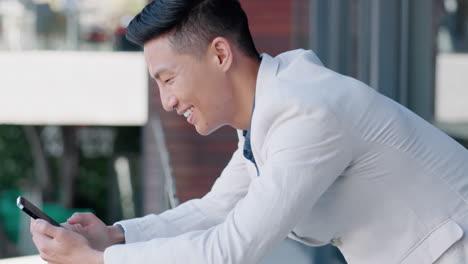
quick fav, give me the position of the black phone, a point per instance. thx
(33, 211)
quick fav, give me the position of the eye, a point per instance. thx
(167, 81)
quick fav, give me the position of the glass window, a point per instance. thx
(451, 100)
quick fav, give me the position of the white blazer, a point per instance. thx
(338, 163)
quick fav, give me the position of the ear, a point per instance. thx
(221, 51)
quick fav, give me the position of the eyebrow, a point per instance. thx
(157, 75)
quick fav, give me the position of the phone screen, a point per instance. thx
(33, 211)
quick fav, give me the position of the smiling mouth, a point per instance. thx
(189, 112)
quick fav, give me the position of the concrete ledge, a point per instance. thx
(73, 88)
(23, 260)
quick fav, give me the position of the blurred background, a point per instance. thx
(82, 127)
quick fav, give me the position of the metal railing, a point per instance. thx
(170, 187)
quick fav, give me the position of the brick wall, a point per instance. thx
(271, 24)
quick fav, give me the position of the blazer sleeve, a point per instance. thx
(196, 214)
(306, 154)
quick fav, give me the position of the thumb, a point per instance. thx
(77, 228)
(79, 218)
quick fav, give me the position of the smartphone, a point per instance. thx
(33, 211)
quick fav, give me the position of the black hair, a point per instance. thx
(193, 24)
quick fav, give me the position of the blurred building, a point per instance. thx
(16, 24)
(63, 24)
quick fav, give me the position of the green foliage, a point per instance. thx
(9, 213)
(96, 186)
(128, 140)
(92, 185)
(16, 163)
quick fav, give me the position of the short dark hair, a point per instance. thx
(193, 24)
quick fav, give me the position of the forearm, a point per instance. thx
(185, 218)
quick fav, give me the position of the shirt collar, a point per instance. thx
(268, 68)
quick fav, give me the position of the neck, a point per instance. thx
(244, 84)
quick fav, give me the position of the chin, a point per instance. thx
(206, 130)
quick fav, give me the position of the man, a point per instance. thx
(322, 158)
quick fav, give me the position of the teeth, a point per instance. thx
(188, 112)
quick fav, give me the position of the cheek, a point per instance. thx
(215, 103)
(210, 92)
(183, 89)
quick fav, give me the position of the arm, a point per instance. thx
(306, 154)
(197, 214)
(88, 236)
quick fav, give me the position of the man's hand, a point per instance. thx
(61, 246)
(92, 228)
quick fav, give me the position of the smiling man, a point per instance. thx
(212, 85)
(322, 158)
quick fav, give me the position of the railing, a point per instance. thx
(170, 188)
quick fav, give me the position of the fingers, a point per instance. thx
(58, 249)
(76, 218)
(81, 218)
(42, 243)
(77, 228)
(40, 226)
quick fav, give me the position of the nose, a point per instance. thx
(169, 103)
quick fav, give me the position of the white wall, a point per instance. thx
(451, 98)
(73, 88)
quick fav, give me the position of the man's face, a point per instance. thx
(196, 87)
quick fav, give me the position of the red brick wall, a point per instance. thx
(196, 160)
(271, 24)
